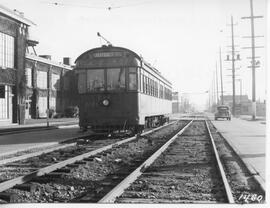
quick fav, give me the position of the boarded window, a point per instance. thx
(55, 81)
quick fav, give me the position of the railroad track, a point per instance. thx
(178, 164)
(184, 170)
(52, 170)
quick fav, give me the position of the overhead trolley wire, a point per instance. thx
(110, 7)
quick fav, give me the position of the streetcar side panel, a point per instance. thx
(152, 106)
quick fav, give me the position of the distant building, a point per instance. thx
(175, 102)
(227, 99)
(47, 86)
(244, 105)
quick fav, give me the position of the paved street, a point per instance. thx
(14, 142)
(249, 140)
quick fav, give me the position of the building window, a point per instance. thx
(42, 80)
(3, 103)
(42, 104)
(55, 81)
(6, 51)
(28, 75)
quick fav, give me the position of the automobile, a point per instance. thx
(223, 111)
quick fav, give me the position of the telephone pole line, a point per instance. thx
(221, 80)
(253, 61)
(233, 67)
(233, 59)
(217, 83)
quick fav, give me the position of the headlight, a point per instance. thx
(105, 102)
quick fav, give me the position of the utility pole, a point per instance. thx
(221, 81)
(214, 90)
(233, 65)
(233, 69)
(240, 81)
(253, 61)
(217, 83)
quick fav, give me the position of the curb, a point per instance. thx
(35, 128)
(250, 168)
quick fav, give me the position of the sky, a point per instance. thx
(181, 38)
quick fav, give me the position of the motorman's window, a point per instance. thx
(132, 78)
(95, 80)
(115, 79)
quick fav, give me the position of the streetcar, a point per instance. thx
(119, 91)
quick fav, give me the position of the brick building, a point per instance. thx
(175, 102)
(29, 84)
(13, 41)
(48, 86)
(244, 105)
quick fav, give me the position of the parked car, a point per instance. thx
(72, 112)
(223, 111)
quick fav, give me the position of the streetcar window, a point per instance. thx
(142, 87)
(161, 92)
(156, 89)
(132, 79)
(144, 84)
(95, 80)
(115, 79)
(147, 85)
(82, 82)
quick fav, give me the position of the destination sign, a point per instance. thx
(108, 54)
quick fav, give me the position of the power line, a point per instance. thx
(109, 7)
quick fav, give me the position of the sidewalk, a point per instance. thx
(248, 139)
(35, 134)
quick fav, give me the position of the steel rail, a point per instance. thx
(23, 179)
(119, 189)
(220, 167)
